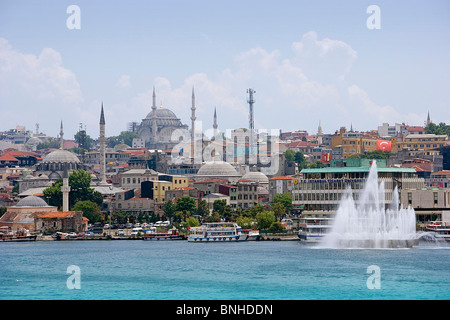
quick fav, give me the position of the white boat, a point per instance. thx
(216, 232)
(441, 230)
(312, 229)
(153, 234)
(252, 235)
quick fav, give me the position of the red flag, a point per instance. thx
(384, 145)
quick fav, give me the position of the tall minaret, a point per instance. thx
(215, 123)
(319, 134)
(61, 137)
(102, 140)
(428, 119)
(65, 189)
(154, 125)
(193, 116)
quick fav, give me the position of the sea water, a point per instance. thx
(180, 270)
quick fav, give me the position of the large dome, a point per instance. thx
(217, 169)
(61, 156)
(32, 201)
(162, 113)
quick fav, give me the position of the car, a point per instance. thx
(137, 231)
(106, 226)
(71, 235)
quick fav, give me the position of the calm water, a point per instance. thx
(286, 270)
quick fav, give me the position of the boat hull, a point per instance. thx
(218, 239)
(19, 239)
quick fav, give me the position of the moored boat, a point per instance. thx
(19, 236)
(217, 232)
(252, 235)
(441, 230)
(153, 234)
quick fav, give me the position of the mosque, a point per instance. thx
(157, 127)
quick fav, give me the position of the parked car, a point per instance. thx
(71, 235)
(137, 231)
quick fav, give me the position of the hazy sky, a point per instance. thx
(308, 61)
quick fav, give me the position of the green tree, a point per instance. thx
(289, 155)
(84, 141)
(169, 209)
(317, 164)
(278, 209)
(214, 217)
(265, 219)
(245, 222)
(90, 210)
(191, 222)
(203, 209)
(186, 205)
(440, 129)
(285, 199)
(80, 190)
(124, 137)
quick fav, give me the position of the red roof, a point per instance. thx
(282, 178)
(8, 157)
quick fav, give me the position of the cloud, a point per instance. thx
(35, 87)
(124, 82)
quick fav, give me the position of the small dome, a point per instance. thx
(43, 176)
(256, 176)
(217, 169)
(121, 147)
(32, 201)
(61, 156)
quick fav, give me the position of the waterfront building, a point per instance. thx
(430, 204)
(281, 184)
(23, 214)
(322, 189)
(440, 179)
(65, 221)
(318, 192)
(131, 179)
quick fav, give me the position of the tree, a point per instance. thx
(265, 219)
(214, 217)
(169, 209)
(285, 199)
(80, 190)
(84, 141)
(124, 137)
(191, 222)
(245, 222)
(289, 155)
(90, 210)
(317, 164)
(203, 209)
(440, 129)
(186, 204)
(278, 209)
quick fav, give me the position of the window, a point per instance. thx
(409, 198)
(435, 195)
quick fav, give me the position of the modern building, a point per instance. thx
(416, 142)
(322, 189)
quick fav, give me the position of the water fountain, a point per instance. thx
(369, 224)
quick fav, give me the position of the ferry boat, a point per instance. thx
(312, 229)
(440, 229)
(216, 232)
(153, 234)
(19, 236)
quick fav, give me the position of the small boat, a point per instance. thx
(217, 232)
(441, 230)
(19, 236)
(252, 235)
(153, 234)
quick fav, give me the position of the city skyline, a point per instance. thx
(308, 63)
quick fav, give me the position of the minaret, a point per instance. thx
(428, 119)
(102, 140)
(65, 189)
(61, 137)
(193, 117)
(319, 134)
(154, 125)
(215, 123)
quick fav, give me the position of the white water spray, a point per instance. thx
(369, 224)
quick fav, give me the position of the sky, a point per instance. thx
(309, 62)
